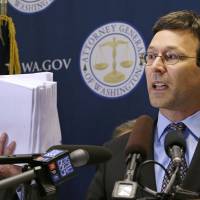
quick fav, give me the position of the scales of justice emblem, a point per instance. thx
(110, 60)
(115, 76)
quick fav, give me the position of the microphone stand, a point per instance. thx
(20, 178)
(171, 181)
(126, 189)
(46, 189)
(132, 166)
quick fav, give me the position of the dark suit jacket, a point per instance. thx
(114, 170)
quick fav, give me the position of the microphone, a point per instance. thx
(96, 154)
(80, 155)
(136, 151)
(18, 158)
(141, 138)
(55, 166)
(49, 170)
(175, 146)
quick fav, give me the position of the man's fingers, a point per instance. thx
(7, 170)
(3, 140)
(10, 148)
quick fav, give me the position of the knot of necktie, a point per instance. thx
(176, 127)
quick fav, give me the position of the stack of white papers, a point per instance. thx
(28, 111)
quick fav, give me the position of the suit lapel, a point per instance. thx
(192, 178)
(148, 172)
(147, 176)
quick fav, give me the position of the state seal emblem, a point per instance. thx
(110, 60)
(30, 6)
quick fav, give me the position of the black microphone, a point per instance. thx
(55, 166)
(49, 170)
(18, 158)
(80, 155)
(175, 146)
(136, 150)
(96, 154)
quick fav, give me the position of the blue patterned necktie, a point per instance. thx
(171, 167)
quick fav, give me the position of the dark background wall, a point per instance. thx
(54, 36)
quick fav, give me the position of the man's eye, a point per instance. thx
(151, 56)
(171, 56)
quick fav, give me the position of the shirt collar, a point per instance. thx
(163, 122)
(192, 122)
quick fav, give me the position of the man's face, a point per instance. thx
(177, 86)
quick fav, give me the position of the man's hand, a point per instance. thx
(8, 170)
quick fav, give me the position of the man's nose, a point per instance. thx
(159, 64)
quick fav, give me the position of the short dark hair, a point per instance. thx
(180, 20)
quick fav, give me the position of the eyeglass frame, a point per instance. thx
(163, 58)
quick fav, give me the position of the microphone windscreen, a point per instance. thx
(140, 139)
(97, 154)
(174, 138)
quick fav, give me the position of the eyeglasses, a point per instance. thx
(168, 58)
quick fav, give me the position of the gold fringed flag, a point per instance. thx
(9, 56)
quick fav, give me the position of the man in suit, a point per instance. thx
(173, 79)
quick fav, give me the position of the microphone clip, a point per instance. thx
(124, 189)
(127, 188)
